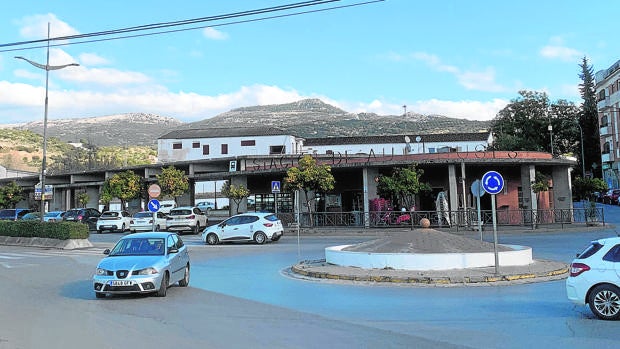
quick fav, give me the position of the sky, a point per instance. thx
(462, 59)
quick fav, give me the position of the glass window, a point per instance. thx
(177, 146)
(590, 250)
(248, 143)
(205, 149)
(195, 144)
(224, 148)
(613, 255)
(277, 149)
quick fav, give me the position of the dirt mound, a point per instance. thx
(424, 241)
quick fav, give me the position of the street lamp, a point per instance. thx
(550, 128)
(47, 67)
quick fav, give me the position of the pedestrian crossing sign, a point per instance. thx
(275, 186)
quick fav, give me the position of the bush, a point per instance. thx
(50, 230)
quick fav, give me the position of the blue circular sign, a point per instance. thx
(154, 205)
(492, 182)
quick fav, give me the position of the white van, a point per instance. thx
(166, 206)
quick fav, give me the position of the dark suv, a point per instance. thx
(83, 215)
(13, 214)
(611, 197)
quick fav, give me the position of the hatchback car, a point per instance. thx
(611, 197)
(143, 263)
(186, 219)
(83, 215)
(595, 278)
(113, 221)
(31, 216)
(143, 221)
(257, 226)
(53, 216)
(13, 214)
(206, 206)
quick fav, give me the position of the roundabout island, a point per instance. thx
(429, 257)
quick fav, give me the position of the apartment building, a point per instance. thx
(608, 104)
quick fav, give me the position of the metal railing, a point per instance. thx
(452, 219)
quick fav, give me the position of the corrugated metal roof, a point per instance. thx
(219, 132)
(439, 137)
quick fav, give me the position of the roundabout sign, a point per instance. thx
(493, 182)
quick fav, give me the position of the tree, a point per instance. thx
(173, 182)
(585, 188)
(588, 119)
(83, 199)
(10, 195)
(523, 125)
(124, 186)
(403, 184)
(235, 193)
(309, 177)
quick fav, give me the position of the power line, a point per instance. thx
(185, 22)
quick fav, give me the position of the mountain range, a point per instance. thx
(309, 118)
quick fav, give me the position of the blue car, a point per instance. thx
(13, 214)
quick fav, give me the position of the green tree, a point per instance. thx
(235, 193)
(403, 184)
(173, 182)
(309, 177)
(584, 188)
(10, 195)
(523, 125)
(83, 199)
(588, 119)
(123, 185)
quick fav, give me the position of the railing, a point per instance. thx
(454, 219)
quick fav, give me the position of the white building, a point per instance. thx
(608, 104)
(400, 144)
(213, 143)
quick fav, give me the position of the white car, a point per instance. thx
(166, 206)
(255, 226)
(113, 221)
(187, 218)
(595, 278)
(143, 221)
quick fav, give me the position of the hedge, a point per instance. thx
(50, 230)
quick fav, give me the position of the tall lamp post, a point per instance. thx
(47, 67)
(583, 164)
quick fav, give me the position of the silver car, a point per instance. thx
(143, 263)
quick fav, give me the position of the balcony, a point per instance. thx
(605, 157)
(604, 130)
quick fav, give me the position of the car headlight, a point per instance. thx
(146, 271)
(101, 271)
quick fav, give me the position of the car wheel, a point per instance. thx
(260, 238)
(604, 301)
(196, 228)
(185, 280)
(163, 288)
(99, 294)
(276, 238)
(212, 239)
(157, 227)
(99, 231)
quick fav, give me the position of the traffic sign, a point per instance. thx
(476, 189)
(275, 186)
(492, 182)
(154, 205)
(154, 190)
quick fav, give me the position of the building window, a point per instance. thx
(195, 144)
(604, 122)
(177, 145)
(205, 149)
(601, 95)
(224, 148)
(329, 152)
(248, 143)
(277, 149)
(606, 148)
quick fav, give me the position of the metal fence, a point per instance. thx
(453, 219)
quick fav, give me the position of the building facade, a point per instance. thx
(608, 104)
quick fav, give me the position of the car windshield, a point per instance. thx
(181, 212)
(139, 247)
(7, 213)
(271, 217)
(109, 214)
(143, 215)
(52, 214)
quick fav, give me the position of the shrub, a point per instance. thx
(51, 230)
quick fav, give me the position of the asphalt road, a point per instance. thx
(240, 296)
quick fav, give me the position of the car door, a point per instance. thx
(230, 230)
(612, 257)
(173, 258)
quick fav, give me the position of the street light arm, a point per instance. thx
(47, 67)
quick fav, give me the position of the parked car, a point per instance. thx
(611, 197)
(31, 216)
(255, 226)
(166, 205)
(595, 278)
(206, 206)
(83, 215)
(143, 221)
(113, 221)
(186, 219)
(13, 214)
(143, 263)
(53, 216)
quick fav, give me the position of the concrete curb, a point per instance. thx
(69, 244)
(538, 271)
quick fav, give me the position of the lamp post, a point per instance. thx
(550, 128)
(47, 67)
(583, 164)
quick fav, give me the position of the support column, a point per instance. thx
(453, 192)
(562, 193)
(370, 191)
(243, 205)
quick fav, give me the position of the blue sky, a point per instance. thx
(464, 59)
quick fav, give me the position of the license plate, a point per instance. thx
(120, 283)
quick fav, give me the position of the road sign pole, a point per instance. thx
(479, 216)
(495, 234)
